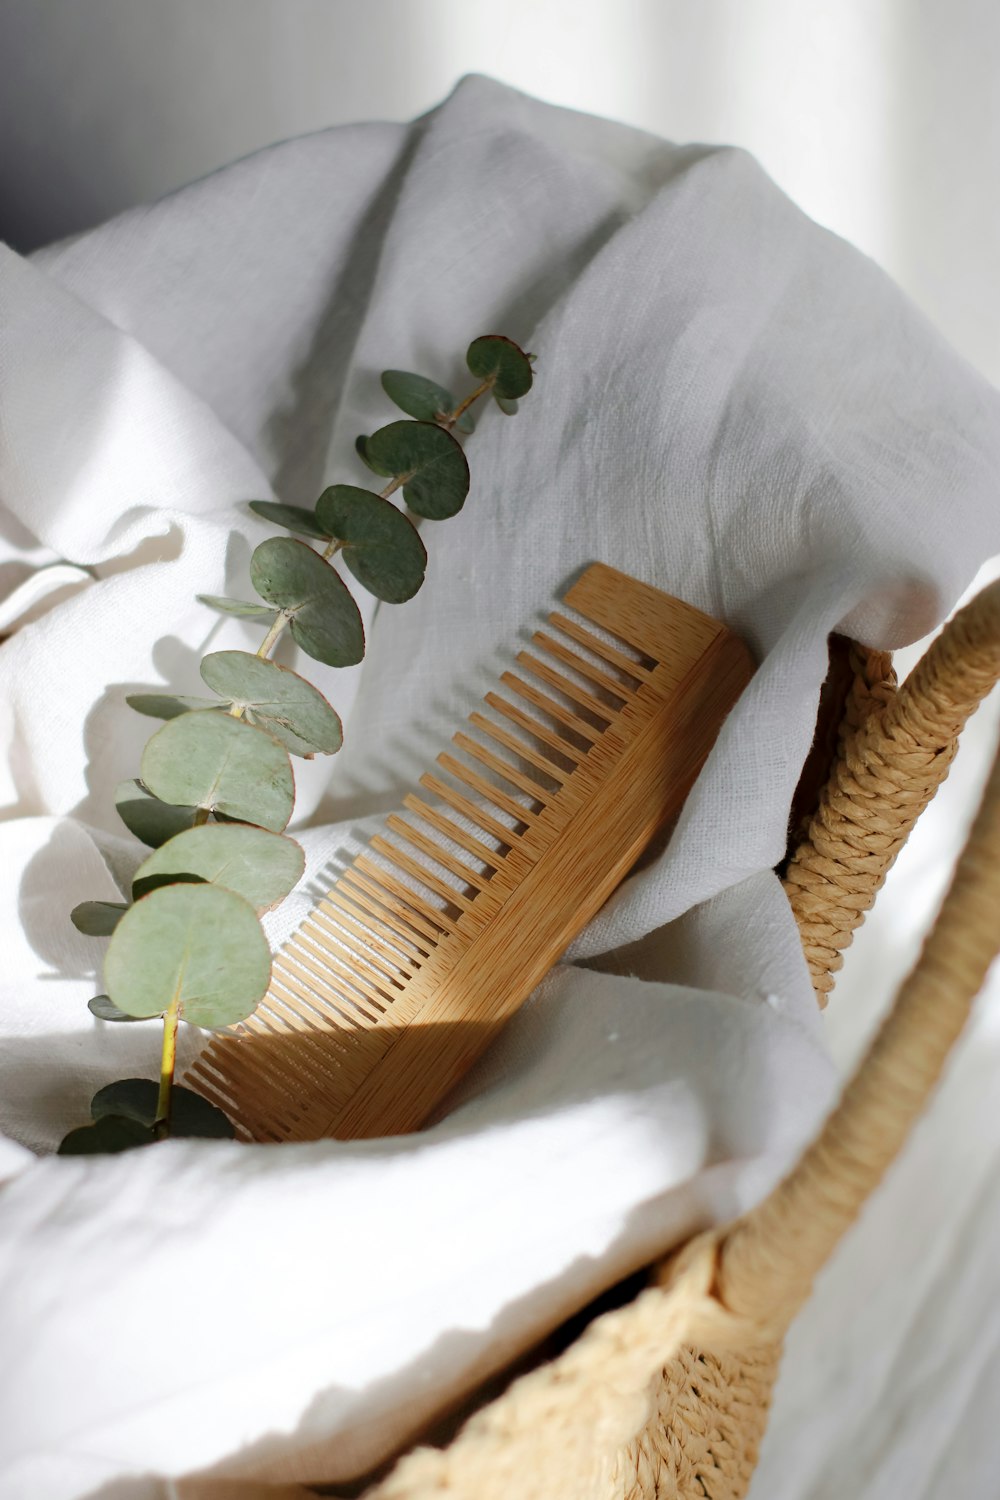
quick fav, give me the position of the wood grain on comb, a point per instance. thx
(431, 939)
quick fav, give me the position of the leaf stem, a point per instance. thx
(463, 406)
(168, 1058)
(277, 626)
(280, 623)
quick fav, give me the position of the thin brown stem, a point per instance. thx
(449, 421)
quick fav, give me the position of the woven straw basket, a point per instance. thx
(668, 1395)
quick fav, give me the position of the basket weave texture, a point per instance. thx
(667, 1397)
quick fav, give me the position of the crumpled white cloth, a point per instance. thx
(730, 403)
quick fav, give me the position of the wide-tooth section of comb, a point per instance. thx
(502, 768)
(630, 668)
(615, 689)
(490, 793)
(578, 695)
(426, 943)
(556, 711)
(547, 737)
(451, 831)
(477, 816)
(523, 751)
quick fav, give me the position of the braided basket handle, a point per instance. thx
(895, 749)
(768, 1260)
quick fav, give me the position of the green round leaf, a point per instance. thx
(430, 462)
(382, 547)
(361, 448)
(240, 607)
(105, 1010)
(423, 398)
(259, 866)
(217, 762)
(509, 408)
(137, 1098)
(198, 944)
(106, 1136)
(97, 918)
(324, 618)
(166, 706)
(292, 517)
(279, 700)
(147, 817)
(498, 358)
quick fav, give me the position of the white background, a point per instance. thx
(881, 118)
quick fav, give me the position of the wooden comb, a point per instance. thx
(408, 968)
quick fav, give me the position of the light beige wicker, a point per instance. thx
(668, 1396)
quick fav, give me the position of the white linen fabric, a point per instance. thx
(730, 403)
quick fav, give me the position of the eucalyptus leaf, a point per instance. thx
(104, 1009)
(323, 617)
(197, 944)
(509, 408)
(279, 700)
(361, 449)
(216, 762)
(137, 1099)
(422, 398)
(382, 547)
(241, 607)
(97, 918)
(147, 817)
(174, 877)
(110, 1134)
(429, 461)
(292, 517)
(498, 358)
(166, 706)
(259, 866)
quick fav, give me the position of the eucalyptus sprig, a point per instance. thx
(216, 790)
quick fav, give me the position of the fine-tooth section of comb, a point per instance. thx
(433, 937)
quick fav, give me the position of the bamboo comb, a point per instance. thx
(408, 968)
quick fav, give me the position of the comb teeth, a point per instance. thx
(555, 711)
(503, 769)
(569, 689)
(486, 789)
(332, 983)
(404, 971)
(356, 904)
(434, 851)
(578, 663)
(477, 816)
(432, 916)
(537, 730)
(340, 929)
(635, 670)
(465, 840)
(420, 873)
(332, 914)
(509, 741)
(361, 876)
